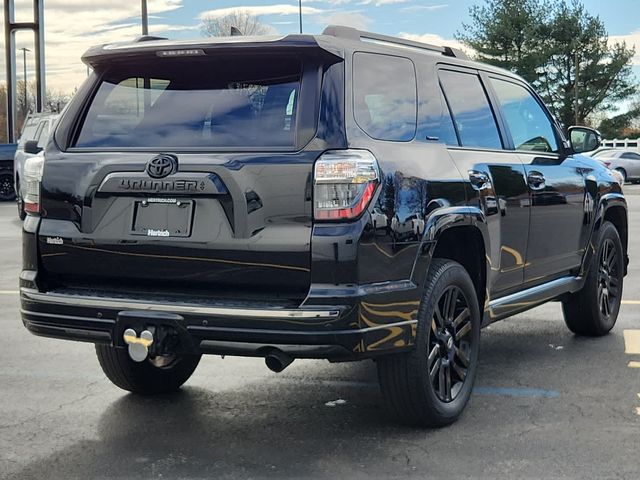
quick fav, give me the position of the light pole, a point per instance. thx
(145, 18)
(24, 64)
(300, 13)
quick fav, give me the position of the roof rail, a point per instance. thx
(355, 34)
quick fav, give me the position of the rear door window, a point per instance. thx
(29, 132)
(43, 133)
(215, 102)
(385, 99)
(471, 110)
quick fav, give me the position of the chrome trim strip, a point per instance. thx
(124, 304)
(356, 331)
(30, 313)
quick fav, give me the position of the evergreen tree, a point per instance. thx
(561, 48)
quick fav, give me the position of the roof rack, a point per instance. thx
(355, 34)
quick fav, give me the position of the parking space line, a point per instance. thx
(630, 302)
(634, 365)
(631, 342)
(516, 392)
(9, 292)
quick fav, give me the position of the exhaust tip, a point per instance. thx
(277, 361)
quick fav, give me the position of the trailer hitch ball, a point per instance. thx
(138, 346)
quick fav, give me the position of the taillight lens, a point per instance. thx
(343, 184)
(33, 168)
(607, 164)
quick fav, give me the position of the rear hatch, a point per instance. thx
(188, 174)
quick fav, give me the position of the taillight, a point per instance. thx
(343, 184)
(607, 164)
(32, 178)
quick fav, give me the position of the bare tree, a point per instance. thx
(242, 20)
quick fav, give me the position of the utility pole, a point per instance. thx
(300, 13)
(145, 18)
(575, 93)
(26, 83)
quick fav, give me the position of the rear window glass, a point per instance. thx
(471, 111)
(384, 96)
(221, 102)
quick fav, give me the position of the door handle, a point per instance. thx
(479, 180)
(536, 180)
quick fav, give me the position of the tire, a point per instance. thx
(7, 191)
(144, 378)
(622, 172)
(593, 310)
(21, 213)
(20, 202)
(408, 380)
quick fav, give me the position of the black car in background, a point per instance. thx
(7, 152)
(343, 196)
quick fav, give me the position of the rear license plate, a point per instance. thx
(162, 217)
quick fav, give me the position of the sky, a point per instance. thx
(71, 26)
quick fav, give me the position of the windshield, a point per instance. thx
(220, 102)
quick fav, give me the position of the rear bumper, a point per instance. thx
(351, 330)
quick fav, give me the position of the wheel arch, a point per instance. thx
(612, 207)
(459, 234)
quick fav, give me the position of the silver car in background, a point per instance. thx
(625, 162)
(32, 140)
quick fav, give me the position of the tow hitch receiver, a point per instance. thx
(148, 334)
(138, 346)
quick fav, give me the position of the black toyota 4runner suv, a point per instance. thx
(341, 196)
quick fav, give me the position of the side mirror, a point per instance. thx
(584, 139)
(31, 146)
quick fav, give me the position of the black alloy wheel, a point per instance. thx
(430, 385)
(593, 310)
(608, 278)
(450, 342)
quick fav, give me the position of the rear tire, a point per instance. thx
(622, 172)
(7, 191)
(144, 378)
(593, 310)
(20, 202)
(430, 385)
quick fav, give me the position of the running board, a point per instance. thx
(531, 297)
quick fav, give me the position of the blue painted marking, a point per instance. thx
(516, 392)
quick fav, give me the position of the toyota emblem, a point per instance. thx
(162, 165)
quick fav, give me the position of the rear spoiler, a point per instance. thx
(160, 47)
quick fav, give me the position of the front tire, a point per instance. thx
(145, 378)
(593, 310)
(622, 172)
(430, 386)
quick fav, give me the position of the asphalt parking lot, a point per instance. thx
(547, 405)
